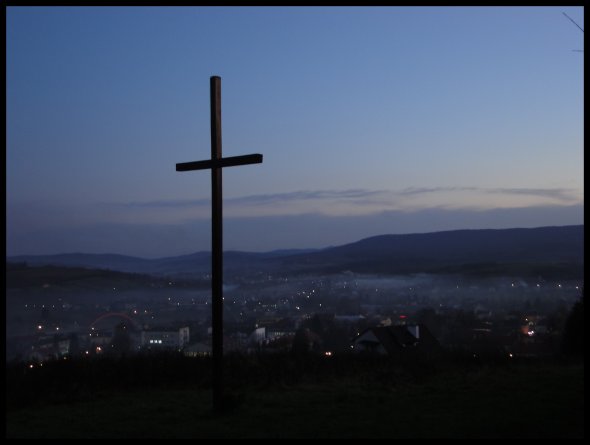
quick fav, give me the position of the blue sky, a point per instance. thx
(370, 120)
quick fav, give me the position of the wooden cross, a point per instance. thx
(216, 163)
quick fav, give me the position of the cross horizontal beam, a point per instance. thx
(216, 163)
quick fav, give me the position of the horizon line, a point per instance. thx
(287, 248)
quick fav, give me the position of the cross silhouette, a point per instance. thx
(215, 164)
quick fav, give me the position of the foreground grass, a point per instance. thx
(525, 401)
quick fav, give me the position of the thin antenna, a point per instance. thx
(572, 20)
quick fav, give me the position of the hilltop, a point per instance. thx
(524, 252)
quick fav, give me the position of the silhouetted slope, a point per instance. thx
(60, 277)
(446, 251)
(122, 263)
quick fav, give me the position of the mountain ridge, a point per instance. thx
(389, 253)
(438, 251)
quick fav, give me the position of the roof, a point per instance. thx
(394, 338)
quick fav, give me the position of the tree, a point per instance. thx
(121, 343)
(304, 342)
(74, 349)
(301, 344)
(573, 333)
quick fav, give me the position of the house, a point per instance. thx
(165, 338)
(258, 336)
(275, 338)
(396, 341)
(280, 328)
(47, 348)
(99, 338)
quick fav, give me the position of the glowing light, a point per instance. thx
(328, 353)
(510, 355)
(531, 333)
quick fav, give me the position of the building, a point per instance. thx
(397, 341)
(47, 348)
(165, 338)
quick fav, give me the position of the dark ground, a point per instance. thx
(168, 396)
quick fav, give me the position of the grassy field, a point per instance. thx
(527, 400)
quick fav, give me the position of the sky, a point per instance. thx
(371, 120)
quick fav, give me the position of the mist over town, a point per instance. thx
(479, 298)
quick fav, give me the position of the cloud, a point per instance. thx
(560, 194)
(357, 196)
(308, 195)
(272, 198)
(424, 190)
(164, 203)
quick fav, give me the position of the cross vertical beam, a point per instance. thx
(216, 244)
(216, 164)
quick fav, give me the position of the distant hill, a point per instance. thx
(485, 251)
(121, 263)
(184, 266)
(22, 276)
(19, 276)
(537, 251)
